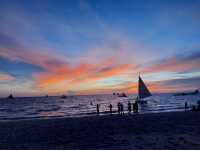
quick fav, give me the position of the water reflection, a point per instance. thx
(34, 107)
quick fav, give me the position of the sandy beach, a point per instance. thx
(173, 130)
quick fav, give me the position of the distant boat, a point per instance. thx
(143, 91)
(122, 95)
(188, 93)
(10, 96)
(63, 97)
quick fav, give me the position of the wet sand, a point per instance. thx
(173, 131)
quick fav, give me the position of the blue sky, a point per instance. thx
(98, 46)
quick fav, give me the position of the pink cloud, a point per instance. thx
(57, 70)
(59, 75)
(6, 77)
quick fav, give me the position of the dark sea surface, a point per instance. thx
(77, 106)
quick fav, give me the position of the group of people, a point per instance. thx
(120, 108)
(196, 107)
(134, 107)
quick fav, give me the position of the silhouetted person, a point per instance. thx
(194, 108)
(186, 106)
(98, 108)
(129, 107)
(110, 106)
(119, 107)
(122, 108)
(198, 105)
(135, 107)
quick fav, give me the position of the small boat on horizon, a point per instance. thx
(188, 93)
(10, 97)
(63, 97)
(122, 95)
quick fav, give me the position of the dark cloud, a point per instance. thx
(186, 62)
(193, 80)
(17, 68)
(190, 57)
(106, 69)
(183, 84)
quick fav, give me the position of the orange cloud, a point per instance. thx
(77, 77)
(59, 75)
(6, 77)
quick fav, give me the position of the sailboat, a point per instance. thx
(10, 97)
(143, 91)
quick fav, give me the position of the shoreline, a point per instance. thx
(169, 130)
(92, 114)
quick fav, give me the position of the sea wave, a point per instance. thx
(76, 106)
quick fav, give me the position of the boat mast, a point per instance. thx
(138, 97)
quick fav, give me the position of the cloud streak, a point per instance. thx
(178, 85)
(6, 77)
(179, 63)
(60, 75)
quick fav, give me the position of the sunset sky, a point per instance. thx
(98, 46)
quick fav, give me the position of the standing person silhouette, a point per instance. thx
(186, 106)
(119, 107)
(122, 108)
(136, 107)
(110, 106)
(133, 107)
(129, 107)
(98, 108)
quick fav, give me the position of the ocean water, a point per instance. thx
(76, 106)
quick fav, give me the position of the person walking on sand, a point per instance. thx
(119, 107)
(98, 108)
(129, 107)
(186, 106)
(110, 106)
